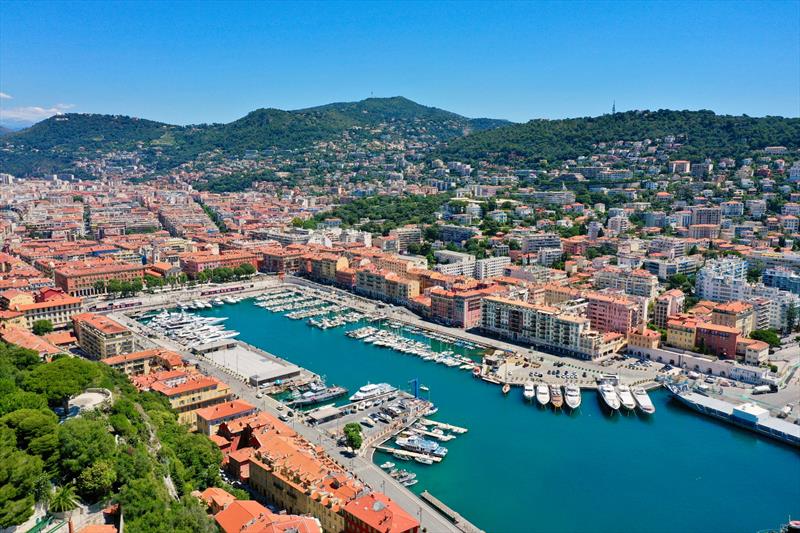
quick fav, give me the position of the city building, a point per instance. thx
(99, 336)
(667, 305)
(87, 278)
(548, 328)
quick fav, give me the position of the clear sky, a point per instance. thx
(188, 62)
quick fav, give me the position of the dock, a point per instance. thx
(460, 522)
(431, 434)
(442, 425)
(405, 453)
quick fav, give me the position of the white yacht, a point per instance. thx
(542, 394)
(371, 390)
(572, 396)
(625, 397)
(643, 400)
(609, 395)
(529, 391)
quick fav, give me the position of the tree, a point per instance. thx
(352, 435)
(766, 335)
(83, 442)
(791, 317)
(62, 378)
(18, 474)
(40, 327)
(63, 499)
(99, 286)
(248, 269)
(95, 482)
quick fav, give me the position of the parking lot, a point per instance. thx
(377, 417)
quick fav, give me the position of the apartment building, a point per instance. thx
(459, 308)
(721, 280)
(610, 313)
(782, 278)
(716, 339)
(377, 513)
(736, 315)
(706, 215)
(405, 236)
(548, 328)
(682, 333)
(384, 285)
(145, 362)
(208, 419)
(282, 260)
(457, 234)
(47, 304)
(99, 336)
(666, 268)
(323, 266)
(195, 263)
(633, 282)
(291, 472)
(669, 247)
(533, 242)
(81, 278)
(668, 304)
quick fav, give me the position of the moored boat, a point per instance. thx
(643, 400)
(542, 394)
(506, 388)
(572, 396)
(555, 396)
(609, 395)
(529, 391)
(625, 397)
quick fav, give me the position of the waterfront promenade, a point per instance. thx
(359, 465)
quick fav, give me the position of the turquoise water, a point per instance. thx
(521, 468)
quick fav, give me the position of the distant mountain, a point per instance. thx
(50, 143)
(702, 134)
(5, 131)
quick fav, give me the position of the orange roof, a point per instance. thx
(26, 339)
(233, 518)
(380, 513)
(100, 322)
(99, 528)
(190, 385)
(219, 497)
(224, 410)
(61, 337)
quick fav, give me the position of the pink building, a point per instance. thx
(459, 308)
(609, 313)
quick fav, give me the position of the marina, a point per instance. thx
(504, 444)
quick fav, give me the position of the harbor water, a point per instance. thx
(521, 468)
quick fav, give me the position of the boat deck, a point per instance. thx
(407, 453)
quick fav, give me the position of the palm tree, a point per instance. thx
(63, 499)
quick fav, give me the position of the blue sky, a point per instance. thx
(214, 62)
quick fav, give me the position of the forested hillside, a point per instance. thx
(701, 133)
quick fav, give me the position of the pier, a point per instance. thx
(405, 453)
(442, 425)
(457, 519)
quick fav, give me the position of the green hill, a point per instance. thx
(703, 134)
(52, 144)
